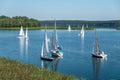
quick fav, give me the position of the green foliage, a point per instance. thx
(13, 70)
(118, 28)
(78, 23)
(17, 21)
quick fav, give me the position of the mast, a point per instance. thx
(97, 44)
(55, 37)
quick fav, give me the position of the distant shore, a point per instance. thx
(51, 28)
(39, 28)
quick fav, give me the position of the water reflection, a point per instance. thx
(96, 67)
(26, 51)
(46, 64)
(23, 49)
(53, 65)
(82, 45)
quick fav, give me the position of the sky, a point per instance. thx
(62, 9)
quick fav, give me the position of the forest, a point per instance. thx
(17, 21)
(78, 23)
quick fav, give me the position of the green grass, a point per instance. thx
(13, 70)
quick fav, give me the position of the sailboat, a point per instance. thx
(21, 33)
(82, 31)
(69, 28)
(96, 52)
(45, 54)
(26, 35)
(56, 48)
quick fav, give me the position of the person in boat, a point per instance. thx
(59, 47)
(57, 50)
(99, 53)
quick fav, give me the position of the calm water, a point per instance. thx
(77, 58)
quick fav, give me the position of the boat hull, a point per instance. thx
(56, 54)
(97, 56)
(46, 58)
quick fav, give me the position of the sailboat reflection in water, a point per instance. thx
(26, 50)
(53, 65)
(21, 47)
(46, 64)
(97, 62)
(96, 67)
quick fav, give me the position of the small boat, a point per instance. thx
(69, 28)
(97, 53)
(45, 54)
(21, 33)
(56, 48)
(26, 35)
(82, 31)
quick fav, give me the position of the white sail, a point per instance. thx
(42, 50)
(69, 28)
(21, 34)
(46, 44)
(45, 55)
(26, 35)
(82, 31)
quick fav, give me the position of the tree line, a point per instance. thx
(79, 23)
(17, 21)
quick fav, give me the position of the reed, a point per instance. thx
(13, 70)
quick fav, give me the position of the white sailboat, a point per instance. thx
(82, 31)
(21, 33)
(26, 35)
(96, 52)
(56, 48)
(69, 28)
(45, 54)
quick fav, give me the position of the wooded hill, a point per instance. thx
(79, 23)
(17, 21)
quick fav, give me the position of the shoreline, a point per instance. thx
(49, 28)
(11, 69)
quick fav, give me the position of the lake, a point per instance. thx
(77, 59)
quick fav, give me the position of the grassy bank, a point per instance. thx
(13, 70)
